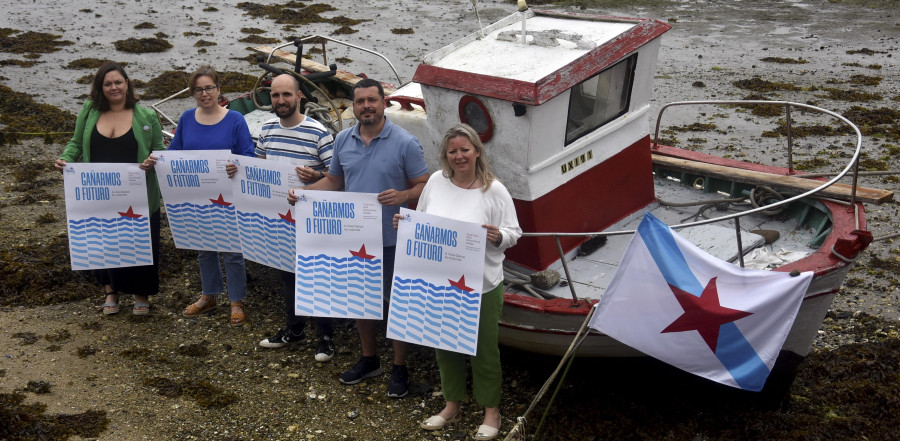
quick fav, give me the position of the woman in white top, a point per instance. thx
(466, 190)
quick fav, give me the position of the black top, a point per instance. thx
(123, 149)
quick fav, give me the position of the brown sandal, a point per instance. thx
(206, 304)
(237, 317)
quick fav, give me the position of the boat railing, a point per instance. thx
(852, 164)
(155, 106)
(322, 39)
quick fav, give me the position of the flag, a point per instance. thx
(674, 302)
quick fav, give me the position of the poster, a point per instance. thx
(339, 255)
(438, 273)
(197, 193)
(265, 219)
(107, 215)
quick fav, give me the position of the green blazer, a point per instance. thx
(147, 130)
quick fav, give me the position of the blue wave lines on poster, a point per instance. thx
(203, 227)
(108, 243)
(345, 287)
(444, 316)
(266, 240)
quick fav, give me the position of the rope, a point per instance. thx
(889, 236)
(518, 429)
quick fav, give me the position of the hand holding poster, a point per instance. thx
(339, 255)
(108, 215)
(438, 273)
(197, 193)
(264, 217)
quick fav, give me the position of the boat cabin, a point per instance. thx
(560, 102)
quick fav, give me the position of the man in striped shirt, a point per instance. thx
(304, 142)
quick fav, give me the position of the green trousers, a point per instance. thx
(487, 378)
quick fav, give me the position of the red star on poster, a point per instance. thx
(288, 217)
(362, 253)
(703, 314)
(220, 201)
(461, 284)
(130, 213)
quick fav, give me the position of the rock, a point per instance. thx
(545, 279)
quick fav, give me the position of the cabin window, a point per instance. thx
(474, 113)
(600, 99)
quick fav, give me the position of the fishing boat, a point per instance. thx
(562, 103)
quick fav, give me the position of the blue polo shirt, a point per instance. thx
(391, 160)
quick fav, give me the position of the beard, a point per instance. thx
(283, 112)
(368, 119)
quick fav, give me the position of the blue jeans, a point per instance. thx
(211, 274)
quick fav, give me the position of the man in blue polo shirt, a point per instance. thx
(377, 156)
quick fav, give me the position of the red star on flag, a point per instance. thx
(703, 314)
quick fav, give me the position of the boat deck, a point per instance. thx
(592, 273)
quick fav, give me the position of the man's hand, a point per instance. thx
(393, 197)
(308, 175)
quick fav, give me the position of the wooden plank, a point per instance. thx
(344, 77)
(777, 182)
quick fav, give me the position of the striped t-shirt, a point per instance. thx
(307, 144)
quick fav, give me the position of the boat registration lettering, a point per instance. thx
(579, 160)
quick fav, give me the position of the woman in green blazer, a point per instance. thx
(112, 127)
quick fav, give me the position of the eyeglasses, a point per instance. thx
(208, 89)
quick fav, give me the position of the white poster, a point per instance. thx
(436, 291)
(108, 215)
(339, 255)
(197, 193)
(265, 219)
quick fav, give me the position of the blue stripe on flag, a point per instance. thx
(741, 360)
(659, 241)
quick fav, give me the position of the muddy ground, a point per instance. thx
(68, 371)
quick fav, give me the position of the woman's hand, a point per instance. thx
(231, 169)
(291, 197)
(494, 236)
(148, 163)
(60, 164)
(396, 220)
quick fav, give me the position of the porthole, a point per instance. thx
(474, 113)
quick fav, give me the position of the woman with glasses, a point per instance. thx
(213, 127)
(112, 127)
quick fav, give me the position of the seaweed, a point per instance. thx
(202, 43)
(210, 9)
(202, 391)
(252, 31)
(849, 95)
(46, 218)
(803, 131)
(167, 83)
(864, 51)
(757, 84)
(39, 274)
(344, 30)
(85, 351)
(20, 63)
(38, 387)
(401, 31)
(142, 45)
(90, 63)
(28, 338)
(256, 39)
(782, 60)
(145, 25)
(30, 422)
(58, 336)
(17, 42)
